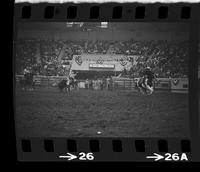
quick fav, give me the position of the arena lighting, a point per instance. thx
(104, 24)
(80, 24)
(70, 24)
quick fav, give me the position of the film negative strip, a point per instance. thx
(107, 82)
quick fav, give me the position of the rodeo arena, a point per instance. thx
(83, 80)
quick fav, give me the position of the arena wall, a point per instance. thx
(174, 85)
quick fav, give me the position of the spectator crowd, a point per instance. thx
(51, 57)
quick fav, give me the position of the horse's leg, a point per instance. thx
(63, 89)
(149, 89)
(139, 87)
(34, 85)
(25, 85)
(66, 89)
(22, 84)
(141, 90)
(29, 86)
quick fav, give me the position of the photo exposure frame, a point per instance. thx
(101, 148)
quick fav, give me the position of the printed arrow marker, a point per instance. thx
(156, 157)
(69, 156)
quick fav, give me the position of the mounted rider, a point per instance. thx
(72, 76)
(148, 76)
(27, 82)
(70, 79)
(26, 71)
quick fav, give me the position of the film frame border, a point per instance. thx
(130, 12)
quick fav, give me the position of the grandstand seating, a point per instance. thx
(167, 59)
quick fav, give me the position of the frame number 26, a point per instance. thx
(86, 156)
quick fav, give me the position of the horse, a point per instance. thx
(67, 84)
(63, 85)
(141, 86)
(27, 82)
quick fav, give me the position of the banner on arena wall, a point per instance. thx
(116, 62)
(100, 60)
(101, 66)
(175, 81)
(123, 62)
(104, 57)
(78, 59)
(179, 85)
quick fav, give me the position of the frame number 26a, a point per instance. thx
(168, 157)
(176, 157)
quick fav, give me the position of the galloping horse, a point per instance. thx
(67, 84)
(142, 83)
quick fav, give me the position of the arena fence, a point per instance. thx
(176, 85)
(44, 80)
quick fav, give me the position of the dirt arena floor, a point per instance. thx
(45, 112)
